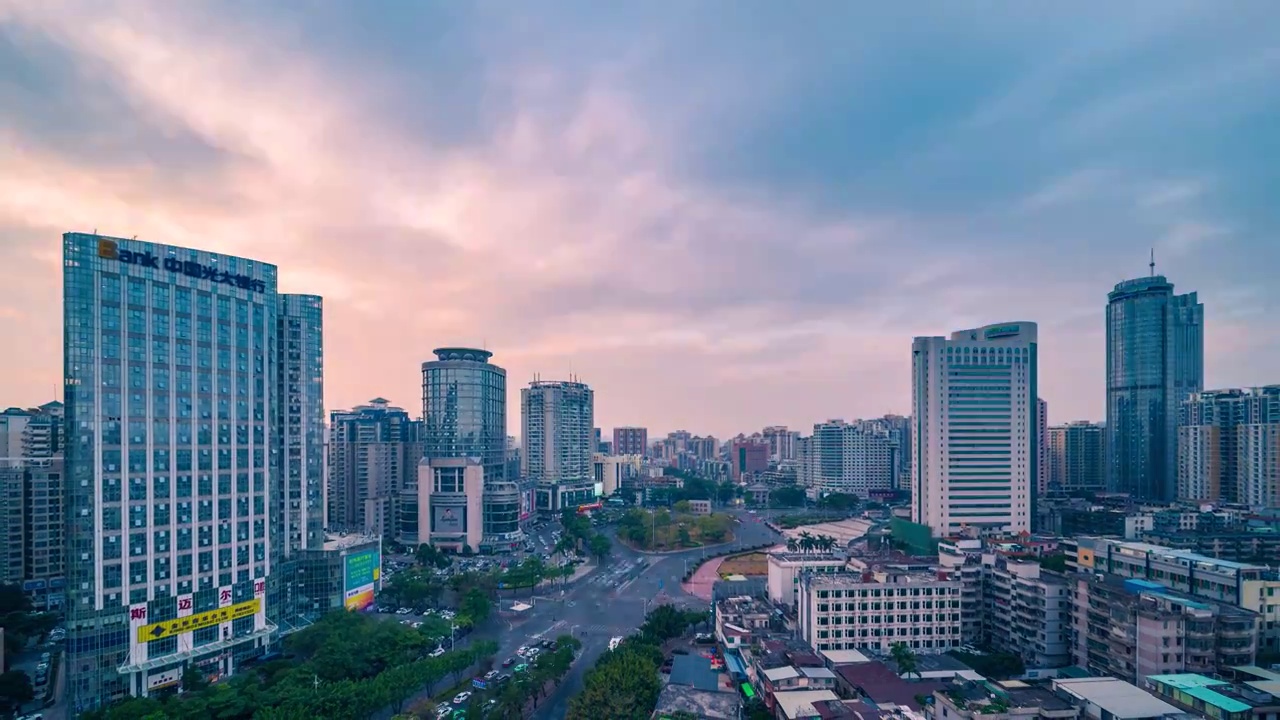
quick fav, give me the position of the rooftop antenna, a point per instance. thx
(1153, 262)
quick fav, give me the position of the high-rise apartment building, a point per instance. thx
(1042, 447)
(1077, 457)
(747, 457)
(557, 417)
(781, 441)
(172, 455)
(374, 451)
(631, 441)
(849, 458)
(31, 516)
(1228, 446)
(899, 429)
(974, 446)
(1155, 357)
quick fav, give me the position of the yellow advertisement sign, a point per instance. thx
(199, 621)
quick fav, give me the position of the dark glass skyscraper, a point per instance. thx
(464, 409)
(1155, 357)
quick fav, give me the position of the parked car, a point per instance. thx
(437, 652)
(491, 675)
(461, 697)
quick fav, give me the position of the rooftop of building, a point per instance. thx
(1221, 694)
(844, 657)
(744, 605)
(881, 684)
(933, 663)
(701, 703)
(1179, 555)
(1131, 590)
(974, 695)
(694, 671)
(799, 703)
(849, 710)
(1116, 698)
(343, 542)
(462, 353)
(883, 576)
(802, 557)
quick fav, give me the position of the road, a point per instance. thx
(612, 602)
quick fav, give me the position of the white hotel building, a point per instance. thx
(974, 442)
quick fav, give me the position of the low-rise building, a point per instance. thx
(878, 609)
(742, 620)
(877, 684)
(789, 677)
(785, 569)
(1131, 628)
(1208, 697)
(970, 700)
(1103, 698)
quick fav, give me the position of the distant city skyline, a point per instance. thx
(712, 238)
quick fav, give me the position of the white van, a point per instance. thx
(615, 642)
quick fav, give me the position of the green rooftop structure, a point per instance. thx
(1207, 696)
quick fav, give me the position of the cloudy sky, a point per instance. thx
(720, 214)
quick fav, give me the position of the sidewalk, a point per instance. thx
(703, 579)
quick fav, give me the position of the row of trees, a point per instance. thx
(21, 625)
(624, 684)
(807, 542)
(535, 684)
(346, 665)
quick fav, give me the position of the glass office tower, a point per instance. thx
(1155, 358)
(464, 413)
(170, 371)
(297, 500)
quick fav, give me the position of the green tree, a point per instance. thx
(839, 501)
(905, 658)
(1056, 562)
(193, 680)
(15, 689)
(683, 537)
(684, 507)
(600, 546)
(476, 605)
(625, 687)
(787, 497)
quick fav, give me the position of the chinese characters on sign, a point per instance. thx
(198, 621)
(110, 250)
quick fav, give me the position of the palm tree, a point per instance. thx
(905, 658)
(792, 544)
(826, 543)
(806, 541)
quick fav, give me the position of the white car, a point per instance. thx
(461, 697)
(615, 642)
(443, 711)
(437, 652)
